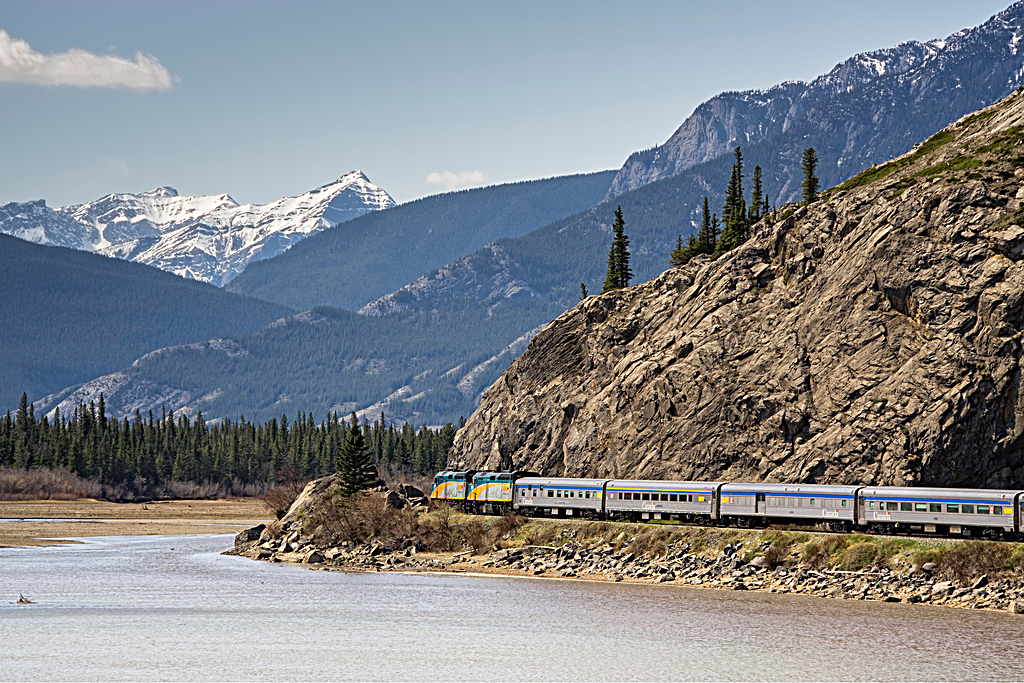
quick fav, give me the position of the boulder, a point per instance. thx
(409, 491)
(250, 535)
(313, 557)
(1015, 607)
(395, 500)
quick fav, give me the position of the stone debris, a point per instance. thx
(678, 565)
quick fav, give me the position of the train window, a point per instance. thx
(997, 510)
(673, 498)
(952, 508)
(920, 507)
(586, 494)
(967, 509)
(890, 506)
(906, 507)
(983, 509)
(934, 507)
(645, 496)
(812, 502)
(551, 494)
(871, 505)
(664, 496)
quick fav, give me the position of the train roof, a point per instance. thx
(652, 483)
(922, 492)
(560, 481)
(822, 489)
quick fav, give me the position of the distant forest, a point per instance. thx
(137, 458)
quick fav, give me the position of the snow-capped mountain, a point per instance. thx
(210, 238)
(861, 104)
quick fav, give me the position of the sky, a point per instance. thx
(266, 99)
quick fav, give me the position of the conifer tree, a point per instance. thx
(680, 255)
(756, 197)
(736, 226)
(707, 236)
(619, 272)
(583, 291)
(811, 183)
(355, 466)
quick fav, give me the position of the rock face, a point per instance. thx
(873, 337)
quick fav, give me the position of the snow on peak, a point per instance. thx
(210, 238)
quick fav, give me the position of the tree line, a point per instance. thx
(715, 237)
(153, 449)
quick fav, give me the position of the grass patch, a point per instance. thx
(1005, 141)
(957, 163)
(966, 561)
(876, 173)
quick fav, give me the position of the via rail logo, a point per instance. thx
(881, 515)
(830, 513)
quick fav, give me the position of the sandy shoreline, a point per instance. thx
(20, 525)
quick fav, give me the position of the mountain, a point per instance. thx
(869, 108)
(850, 117)
(208, 238)
(380, 252)
(421, 369)
(69, 316)
(870, 338)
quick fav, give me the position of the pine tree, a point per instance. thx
(756, 197)
(583, 291)
(619, 273)
(707, 236)
(735, 228)
(811, 182)
(353, 462)
(680, 255)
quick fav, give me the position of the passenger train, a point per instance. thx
(984, 513)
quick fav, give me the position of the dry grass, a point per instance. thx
(966, 561)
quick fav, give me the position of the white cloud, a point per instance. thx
(451, 180)
(19, 63)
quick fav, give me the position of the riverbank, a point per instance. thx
(953, 573)
(49, 522)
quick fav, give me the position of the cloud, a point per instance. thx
(451, 180)
(19, 63)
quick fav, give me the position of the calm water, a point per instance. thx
(129, 608)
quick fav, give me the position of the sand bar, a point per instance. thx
(48, 522)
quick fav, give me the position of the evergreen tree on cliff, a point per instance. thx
(355, 466)
(811, 182)
(681, 254)
(756, 197)
(619, 273)
(707, 236)
(736, 228)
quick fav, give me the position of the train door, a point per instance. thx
(759, 505)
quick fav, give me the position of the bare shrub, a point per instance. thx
(290, 483)
(45, 484)
(776, 554)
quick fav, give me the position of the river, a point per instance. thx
(173, 608)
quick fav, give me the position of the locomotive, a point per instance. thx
(986, 513)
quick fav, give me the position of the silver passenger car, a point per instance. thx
(559, 497)
(639, 499)
(967, 512)
(762, 504)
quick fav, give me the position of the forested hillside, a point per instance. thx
(140, 457)
(368, 257)
(69, 316)
(323, 360)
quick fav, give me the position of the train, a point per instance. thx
(982, 513)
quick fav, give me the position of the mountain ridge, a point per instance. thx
(209, 238)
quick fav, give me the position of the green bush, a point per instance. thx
(858, 556)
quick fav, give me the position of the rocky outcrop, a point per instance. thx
(873, 337)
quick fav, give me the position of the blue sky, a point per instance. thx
(262, 100)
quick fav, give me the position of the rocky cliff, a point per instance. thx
(873, 337)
